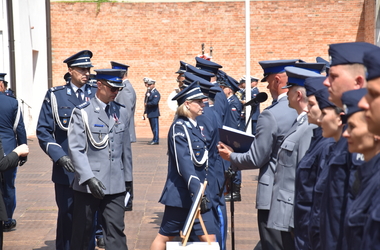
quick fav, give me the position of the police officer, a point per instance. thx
(221, 103)
(308, 167)
(180, 77)
(187, 169)
(347, 72)
(12, 133)
(236, 121)
(292, 149)
(52, 128)
(272, 125)
(100, 149)
(331, 124)
(152, 111)
(371, 232)
(368, 144)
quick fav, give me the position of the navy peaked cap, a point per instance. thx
(371, 61)
(182, 67)
(198, 72)
(297, 76)
(2, 76)
(322, 97)
(275, 66)
(191, 92)
(231, 83)
(350, 100)
(116, 65)
(213, 90)
(81, 59)
(313, 84)
(315, 67)
(207, 65)
(204, 84)
(112, 76)
(348, 53)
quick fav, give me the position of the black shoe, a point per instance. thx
(128, 207)
(235, 195)
(100, 242)
(9, 225)
(153, 143)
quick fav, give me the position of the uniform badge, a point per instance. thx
(302, 120)
(188, 124)
(148, 94)
(197, 153)
(233, 109)
(64, 121)
(68, 91)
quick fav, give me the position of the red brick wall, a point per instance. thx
(153, 37)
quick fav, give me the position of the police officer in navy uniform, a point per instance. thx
(368, 144)
(236, 121)
(347, 72)
(100, 149)
(152, 110)
(12, 133)
(187, 169)
(370, 103)
(273, 124)
(52, 129)
(308, 167)
(221, 103)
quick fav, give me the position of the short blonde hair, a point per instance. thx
(182, 110)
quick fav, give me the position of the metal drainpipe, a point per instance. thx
(12, 61)
(48, 44)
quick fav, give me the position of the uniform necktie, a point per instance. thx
(274, 101)
(79, 91)
(107, 109)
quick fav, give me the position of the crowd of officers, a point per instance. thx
(316, 148)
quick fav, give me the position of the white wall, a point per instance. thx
(31, 56)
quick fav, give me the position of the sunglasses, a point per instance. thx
(113, 89)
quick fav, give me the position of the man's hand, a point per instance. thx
(96, 187)
(66, 163)
(224, 151)
(22, 160)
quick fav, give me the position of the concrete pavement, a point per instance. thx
(36, 209)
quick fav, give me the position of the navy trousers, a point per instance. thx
(154, 126)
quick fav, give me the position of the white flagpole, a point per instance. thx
(247, 64)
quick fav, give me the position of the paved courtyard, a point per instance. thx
(36, 209)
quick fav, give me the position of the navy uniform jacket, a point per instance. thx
(111, 161)
(292, 149)
(221, 105)
(319, 188)
(52, 129)
(235, 113)
(8, 110)
(127, 97)
(371, 231)
(357, 214)
(184, 176)
(152, 98)
(306, 178)
(209, 127)
(272, 126)
(338, 195)
(255, 108)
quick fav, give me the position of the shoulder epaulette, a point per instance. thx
(92, 85)
(119, 104)
(53, 89)
(83, 105)
(179, 122)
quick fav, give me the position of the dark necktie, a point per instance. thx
(274, 101)
(79, 91)
(107, 110)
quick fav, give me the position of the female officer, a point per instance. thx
(187, 169)
(331, 125)
(360, 141)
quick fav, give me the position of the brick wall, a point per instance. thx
(153, 37)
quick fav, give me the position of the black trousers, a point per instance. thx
(111, 208)
(270, 239)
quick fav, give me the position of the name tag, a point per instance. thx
(99, 125)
